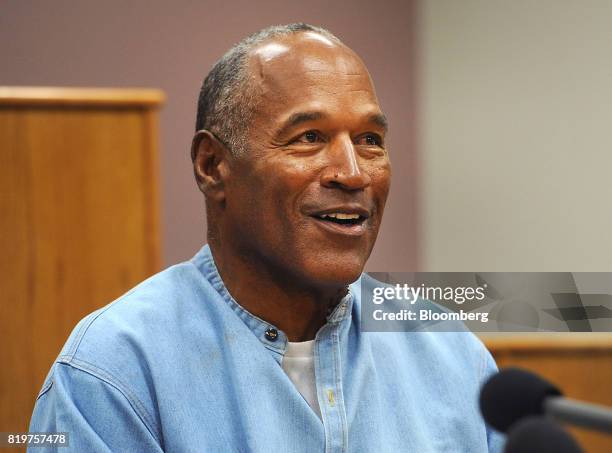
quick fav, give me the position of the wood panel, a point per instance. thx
(78, 221)
(579, 364)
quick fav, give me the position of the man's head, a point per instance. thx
(290, 155)
(227, 102)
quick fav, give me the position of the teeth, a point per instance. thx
(340, 215)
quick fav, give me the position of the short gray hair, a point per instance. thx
(226, 103)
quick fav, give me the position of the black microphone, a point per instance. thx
(514, 393)
(539, 435)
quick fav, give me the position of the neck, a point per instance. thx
(299, 310)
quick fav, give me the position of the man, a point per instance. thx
(254, 344)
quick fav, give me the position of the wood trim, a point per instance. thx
(68, 97)
(550, 343)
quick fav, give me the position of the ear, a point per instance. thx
(210, 164)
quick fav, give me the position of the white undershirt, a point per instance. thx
(298, 363)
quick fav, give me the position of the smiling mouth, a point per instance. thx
(339, 218)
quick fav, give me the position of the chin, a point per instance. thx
(335, 271)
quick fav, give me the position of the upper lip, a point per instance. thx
(343, 209)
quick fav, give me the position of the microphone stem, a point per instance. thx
(587, 415)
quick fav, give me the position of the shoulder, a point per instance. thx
(125, 342)
(139, 315)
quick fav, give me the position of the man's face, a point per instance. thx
(306, 200)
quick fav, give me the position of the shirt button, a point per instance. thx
(272, 334)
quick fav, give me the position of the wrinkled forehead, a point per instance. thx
(306, 62)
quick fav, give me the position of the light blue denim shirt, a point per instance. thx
(177, 365)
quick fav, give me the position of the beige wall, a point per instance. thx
(517, 138)
(172, 45)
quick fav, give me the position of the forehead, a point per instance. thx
(310, 69)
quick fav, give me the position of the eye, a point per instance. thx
(309, 137)
(370, 139)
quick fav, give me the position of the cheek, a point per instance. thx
(284, 179)
(279, 188)
(381, 183)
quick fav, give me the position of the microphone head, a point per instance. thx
(539, 435)
(512, 394)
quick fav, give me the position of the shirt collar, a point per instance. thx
(204, 261)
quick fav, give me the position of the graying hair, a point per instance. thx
(227, 102)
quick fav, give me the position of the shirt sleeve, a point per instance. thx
(97, 416)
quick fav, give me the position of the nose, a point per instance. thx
(343, 169)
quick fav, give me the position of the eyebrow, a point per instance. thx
(379, 119)
(296, 119)
(302, 117)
